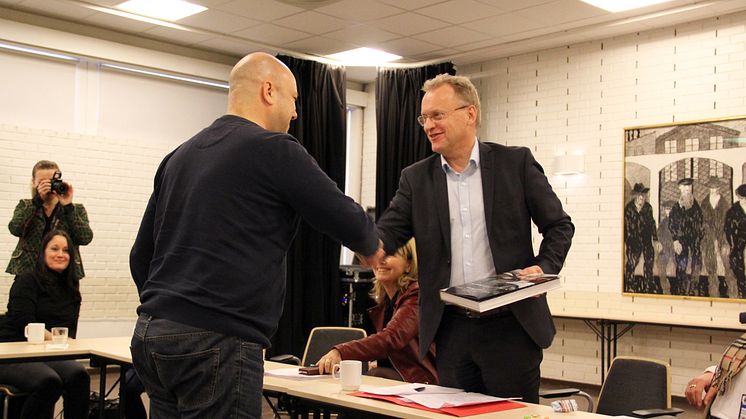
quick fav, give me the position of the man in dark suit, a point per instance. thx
(470, 207)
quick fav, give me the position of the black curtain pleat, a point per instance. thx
(401, 140)
(313, 295)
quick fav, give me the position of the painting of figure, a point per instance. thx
(684, 223)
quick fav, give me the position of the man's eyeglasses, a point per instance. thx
(437, 116)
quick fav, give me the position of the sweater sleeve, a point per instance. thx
(144, 246)
(22, 215)
(75, 218)
(318, 200)
(401, 329)
(22, 302)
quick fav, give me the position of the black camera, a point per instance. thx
(58, 185)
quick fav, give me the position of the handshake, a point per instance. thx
(374, 259)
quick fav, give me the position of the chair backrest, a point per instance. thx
(635, 383)
(322, 339)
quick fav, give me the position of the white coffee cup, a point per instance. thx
(59, 335)
(34, 332)
(350, 374)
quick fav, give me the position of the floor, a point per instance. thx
(689, 412)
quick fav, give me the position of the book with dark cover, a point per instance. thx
(506, 288)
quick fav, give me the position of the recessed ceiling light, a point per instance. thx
(162, 9)
(615, 6)
(364, 57)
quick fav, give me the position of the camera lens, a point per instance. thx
(59, 186)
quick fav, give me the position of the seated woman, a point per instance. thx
(48, 294)
(395, 345)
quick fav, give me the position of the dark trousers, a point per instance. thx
(686, 282)
(736, 264)
(46, 382)
(133, 406)
(492, 355)
(192, 373)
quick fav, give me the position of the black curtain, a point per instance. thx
(401, 140)
(313, 290)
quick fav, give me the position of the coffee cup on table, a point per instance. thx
(59, 335)
(349, 373)
(34, 332)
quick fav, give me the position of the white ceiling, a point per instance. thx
(422, 31)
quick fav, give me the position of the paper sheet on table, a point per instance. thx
(410, 388)
(291, 373)
(439, 401)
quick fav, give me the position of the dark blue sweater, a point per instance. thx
(225, 207)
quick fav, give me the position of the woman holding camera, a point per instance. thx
(48, 294)
(50, 207)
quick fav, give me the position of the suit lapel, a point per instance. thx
(441, 202)
(488, 181)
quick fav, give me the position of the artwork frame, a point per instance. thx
(684, 210)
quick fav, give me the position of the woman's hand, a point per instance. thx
(44, 189)
(327, 362)
(696, 387)
(67, 198)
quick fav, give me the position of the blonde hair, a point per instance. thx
(409, 253)
(41, 165)
(463, 87)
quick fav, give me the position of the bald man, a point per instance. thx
(208, 260)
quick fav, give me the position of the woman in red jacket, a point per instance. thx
(395, 344)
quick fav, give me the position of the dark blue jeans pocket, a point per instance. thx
(191, 377)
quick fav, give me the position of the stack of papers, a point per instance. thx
(436, 398)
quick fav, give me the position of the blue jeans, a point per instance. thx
(190, 372)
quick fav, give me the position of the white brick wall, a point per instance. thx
(110, 157)
(113, 179)
(579, 98)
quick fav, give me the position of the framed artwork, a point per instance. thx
(685, 209)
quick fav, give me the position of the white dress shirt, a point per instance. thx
(471, 258)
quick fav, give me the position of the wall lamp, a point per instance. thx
(568, 164)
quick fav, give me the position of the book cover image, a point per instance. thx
(506, 288)
(496, 286)
(483, 289)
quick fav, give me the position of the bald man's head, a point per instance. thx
(263, 90)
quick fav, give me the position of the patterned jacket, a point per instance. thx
(28, 225)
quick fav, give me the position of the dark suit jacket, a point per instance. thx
(516, 192)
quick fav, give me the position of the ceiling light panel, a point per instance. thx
(162, 9)
(615, 6)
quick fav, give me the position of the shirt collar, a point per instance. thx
(473, 159)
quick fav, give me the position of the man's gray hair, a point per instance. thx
(463, 87)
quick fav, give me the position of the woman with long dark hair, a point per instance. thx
(48, 294)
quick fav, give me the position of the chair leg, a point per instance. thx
(6, 403)
(275, 413)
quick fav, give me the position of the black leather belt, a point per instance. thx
(465, 312)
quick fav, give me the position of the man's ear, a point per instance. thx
(472, 114)
(268, 92)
